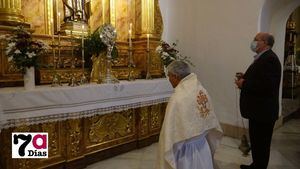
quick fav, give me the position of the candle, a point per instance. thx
(148, 43)
(130, 32)
(58, 22)
(53, 47)
(52, 31)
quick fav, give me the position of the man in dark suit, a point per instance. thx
(259, 100)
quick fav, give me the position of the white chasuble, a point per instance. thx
(190, 132)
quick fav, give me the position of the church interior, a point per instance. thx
(95, 81)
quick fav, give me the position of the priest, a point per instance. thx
(191, 130)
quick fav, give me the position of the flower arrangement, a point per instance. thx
(22, 50)
(169, 53)
(93, 44)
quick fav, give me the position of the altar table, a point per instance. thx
(84, 123)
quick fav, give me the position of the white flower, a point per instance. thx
(165, 54)
(10, 58)
(17, 51)
(31, 54)
(14, 52)
(158, 49)
(11, 45)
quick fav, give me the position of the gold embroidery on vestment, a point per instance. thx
(202, 101)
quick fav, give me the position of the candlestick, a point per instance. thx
(56, 77)
(148, 75)
(72, 52)
(53, 45)
(72, 81)
(83, 79)
(148, 43)
(130, 62)
(59, 61)
(82, 41)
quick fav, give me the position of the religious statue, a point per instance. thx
(76, 10)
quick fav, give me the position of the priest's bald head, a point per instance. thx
(177, 70)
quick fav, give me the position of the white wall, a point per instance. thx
(216, 35)
(273, 18)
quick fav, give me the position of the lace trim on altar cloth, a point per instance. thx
(81, 114)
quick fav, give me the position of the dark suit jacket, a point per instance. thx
(260, 91)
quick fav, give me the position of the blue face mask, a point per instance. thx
(253, 46)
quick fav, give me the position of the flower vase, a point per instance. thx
(29, 78)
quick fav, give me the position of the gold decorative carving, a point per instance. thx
(46, 75)
(158, 22)
(74, 137)
(23, 164)
(53, 133)
(22, 128)
(12, 68)
(120, 61)
(144, 121)
(110, 126)
(155, 117)
(156, 65)
(122, 73)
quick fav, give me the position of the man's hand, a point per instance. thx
(239, 75)
(239, 82)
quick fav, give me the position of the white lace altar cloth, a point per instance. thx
(48, 104)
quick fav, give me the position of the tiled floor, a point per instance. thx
(285, 153)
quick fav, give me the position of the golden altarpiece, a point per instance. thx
(77, 142)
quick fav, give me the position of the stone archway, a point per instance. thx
(273, 18)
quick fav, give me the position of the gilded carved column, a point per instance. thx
(106, 11)
(10, 13)
(158, 22)
(100, 13)
(112, 13)
(148, 18)
(74, 138)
